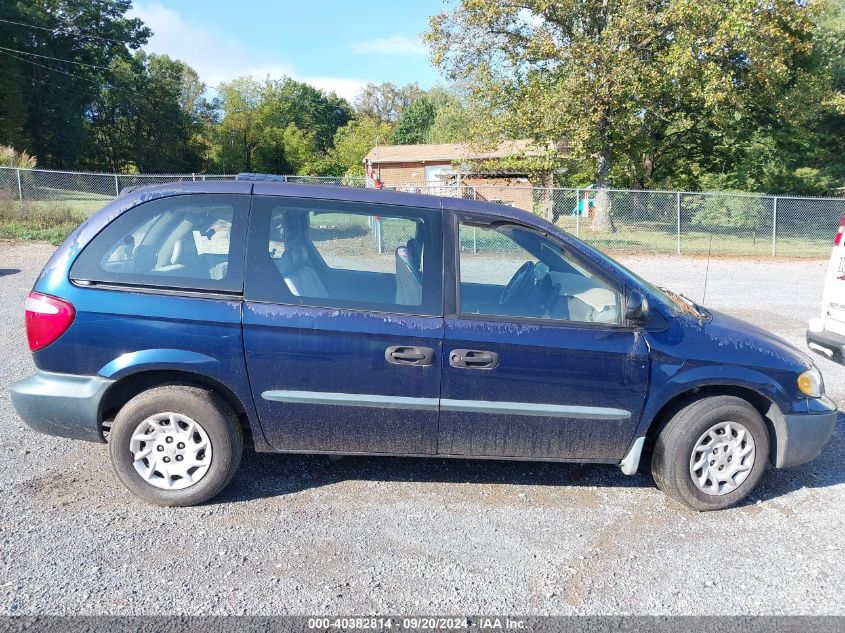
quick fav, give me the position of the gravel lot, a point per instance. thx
(358, 535)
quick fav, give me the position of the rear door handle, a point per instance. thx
(409, 355)
(473, 359)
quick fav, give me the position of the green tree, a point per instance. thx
(609, 80)
(44, 103)
(152, 117)
(453, 121)
(239, 133)
(301, 152)
(415, 123)
(277, 126)
(352, 142)
(288, 101)
(385, 101)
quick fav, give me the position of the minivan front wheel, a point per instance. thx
(176, 445)
(712, 453)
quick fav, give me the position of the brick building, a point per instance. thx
(452, 169)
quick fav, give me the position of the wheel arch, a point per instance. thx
(129, 386)
(767, 408)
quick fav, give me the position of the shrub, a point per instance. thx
(11, 158)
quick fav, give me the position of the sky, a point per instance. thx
(335, 45)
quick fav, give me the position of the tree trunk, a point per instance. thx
(548, 201)
(647, 170)
(601, 209)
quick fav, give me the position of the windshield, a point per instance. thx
(669, 299)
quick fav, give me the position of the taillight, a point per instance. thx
(838, 237)
(47, 318)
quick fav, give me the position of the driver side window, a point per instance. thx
(510, 271)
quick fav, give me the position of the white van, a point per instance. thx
(826, 334)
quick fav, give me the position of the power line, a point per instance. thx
(55, 70)
(69, 61)
(99, 84)
(64, 88)
(75, 33)
(55, 59)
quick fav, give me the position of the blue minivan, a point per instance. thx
(185, 320)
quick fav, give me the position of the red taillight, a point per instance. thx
(47, 318)
(838, 237)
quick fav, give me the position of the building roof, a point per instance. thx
(446, 152)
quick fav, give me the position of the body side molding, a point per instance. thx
(433, 404)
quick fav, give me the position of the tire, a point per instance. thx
(207, 463)
(673, 463)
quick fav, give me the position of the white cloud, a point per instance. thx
(346, 88)
(393, 45)
(218, 58)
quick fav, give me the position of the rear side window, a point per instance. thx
(345, 255)
(192, 242)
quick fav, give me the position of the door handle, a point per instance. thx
(473, 359)
(409, 355)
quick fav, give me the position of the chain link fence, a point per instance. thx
(675, 222)
(641, 222)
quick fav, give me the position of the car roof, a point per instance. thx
(330, 192)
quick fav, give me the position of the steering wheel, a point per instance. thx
(521, 283)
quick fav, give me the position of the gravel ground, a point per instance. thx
(356, 535)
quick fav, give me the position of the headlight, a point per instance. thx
(810, 383)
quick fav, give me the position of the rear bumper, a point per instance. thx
(800, 437)
(61, 404)
(827, 344)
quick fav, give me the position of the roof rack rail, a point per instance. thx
(260, 177)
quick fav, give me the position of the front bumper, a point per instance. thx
(827, 344)
(61, 404)
(800, 437)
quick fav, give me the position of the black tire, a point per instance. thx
(210, 411)
(670, 463)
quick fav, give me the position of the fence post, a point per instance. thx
(578, 211)
(678, 210)
(379, 237)
(774, 226)
(116, 186)
(20, 189)
(474, 239)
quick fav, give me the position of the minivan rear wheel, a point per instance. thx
(712, 453)
(176, 445)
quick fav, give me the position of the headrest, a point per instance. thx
(294, 257)
(414, 247)
(404, 260)
(296, 225)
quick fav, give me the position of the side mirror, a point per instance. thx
(636, 307)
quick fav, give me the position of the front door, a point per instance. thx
(343, 325)
(538, 363)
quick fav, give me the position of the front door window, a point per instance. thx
(510, 271)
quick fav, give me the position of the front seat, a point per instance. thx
(300, 278)
(408, 278)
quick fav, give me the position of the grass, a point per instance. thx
(648, 238)
(49, 222)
